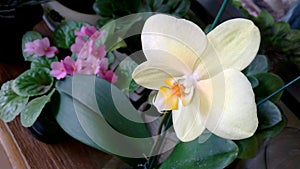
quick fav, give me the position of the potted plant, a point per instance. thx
(210, 104)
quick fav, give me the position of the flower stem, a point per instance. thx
(167, 120)
(219, 14)
(278, 91)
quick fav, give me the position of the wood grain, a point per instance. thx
(24, 151)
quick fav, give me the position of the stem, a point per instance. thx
(219, 14)
(153, 159)
(278, 91)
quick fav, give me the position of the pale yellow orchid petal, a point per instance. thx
(236, 42)
(186, 120)
(153, 73)
(209, 65)
(179, 37)
(166, 100)
(228, 106)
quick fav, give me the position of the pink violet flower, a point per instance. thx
(85, 31)
(105, 73)
(78, 45)
(58, 70)
(97, 35)
(41, 47)
(71, 66)
(109, 75)
(98, 52)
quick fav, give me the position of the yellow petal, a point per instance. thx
(153, 73)
(179, 37)
(228, 105)
(186, 120)
(236, 42)
(166, 100)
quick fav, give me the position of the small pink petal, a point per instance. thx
(58, 70)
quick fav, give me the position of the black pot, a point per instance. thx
(46, 128)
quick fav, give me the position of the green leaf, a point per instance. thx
(29, 37)
(264, 20)
(247, 147)
(118, 44)
(268, 115)
(280, 30)
(33, 109)
(182, 8)
(64, 36)
(111, 58)
(109, 30)
(103, 8)
(258, 65)
(215, 153)
(11, 104)
(124, 72)
(133, 86)
(33, 82)
(268, 83)
(254, 82)
(105, 115)
(43, 62)
(271, 132)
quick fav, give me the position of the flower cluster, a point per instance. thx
(89, 55)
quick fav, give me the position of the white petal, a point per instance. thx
(228, 105)
(153, 73)
(179, 37)
(186, 120)
(236, 42)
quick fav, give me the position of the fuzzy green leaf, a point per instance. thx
(33, 109)
(11, 104)
(64, 36)
(42, 62)
(33, 82)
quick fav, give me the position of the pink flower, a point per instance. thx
(71, 66)
(97, 35)
(98, 52)
(86, 31)
(110, 76)
(40, 47)
(89, 68)
(78, 45)
(105, 73)
(58, 70)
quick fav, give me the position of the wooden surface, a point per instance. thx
(24, 151)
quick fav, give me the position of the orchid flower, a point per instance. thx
(199, 76)
(40, 47)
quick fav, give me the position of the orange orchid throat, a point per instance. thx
(174, 91)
